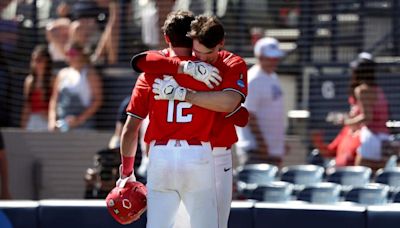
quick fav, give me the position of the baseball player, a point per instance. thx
(181, 166)
(207, 43)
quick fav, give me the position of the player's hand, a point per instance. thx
(168, 89)
(203, 72)
(122, 180)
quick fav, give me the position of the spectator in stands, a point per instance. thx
(63, 10)
(86, 29)
(343, 148)
(107, 48)
(359, 141)
(37, 90)
(372, 111)
(57, 35)
(263, 139)
(153, 14)
(77, 92)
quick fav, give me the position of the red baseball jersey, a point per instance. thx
(233, 69)
(170, 119)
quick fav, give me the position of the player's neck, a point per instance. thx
(180, 51)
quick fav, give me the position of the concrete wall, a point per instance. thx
(45, 165)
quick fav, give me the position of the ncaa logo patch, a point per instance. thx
(240, 83)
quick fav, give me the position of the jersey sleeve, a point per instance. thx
(237, 75)
(154, 62)
(236, 80)
(239, 117)
(138, 106)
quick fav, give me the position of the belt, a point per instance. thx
(221, 148)
(190, 142)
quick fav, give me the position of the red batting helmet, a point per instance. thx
(127, 204)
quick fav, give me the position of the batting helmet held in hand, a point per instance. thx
(127, 204)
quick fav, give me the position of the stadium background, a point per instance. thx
(320, 38)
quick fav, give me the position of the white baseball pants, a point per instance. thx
(179, 172)
(223, 183)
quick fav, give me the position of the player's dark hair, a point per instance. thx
(208, 30)
(363, 72)
(176, 27)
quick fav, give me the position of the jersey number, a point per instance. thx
(178, 109)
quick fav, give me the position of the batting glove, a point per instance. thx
(168, 89)
(203, 72)
(122, 180)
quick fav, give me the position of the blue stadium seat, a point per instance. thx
(302, 174)
(349, 176)
(320, 193)
(251, 175)
(370, 194)
(396, 197)
(390, 176)
(276, 191)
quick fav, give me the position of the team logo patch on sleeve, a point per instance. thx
(240, 83)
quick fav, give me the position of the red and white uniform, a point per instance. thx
(180, 158)
(170, 119)
(233, 70)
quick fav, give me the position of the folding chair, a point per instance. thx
(320, 193)
(252, 175)
(276, 192)
(370, 194)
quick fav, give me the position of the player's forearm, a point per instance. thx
(218, 101)
(129, 136)
(129, 139)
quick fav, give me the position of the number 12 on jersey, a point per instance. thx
(177, 111)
